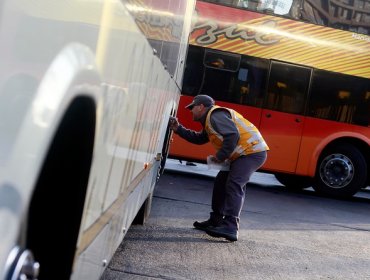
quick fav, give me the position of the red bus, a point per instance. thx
(305, 86)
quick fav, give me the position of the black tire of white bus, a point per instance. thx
(341, 171)
(144, 211)
(165, 151)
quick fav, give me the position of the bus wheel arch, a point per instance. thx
(342, 168)
(56, 206)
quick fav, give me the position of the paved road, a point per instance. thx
(283, 235)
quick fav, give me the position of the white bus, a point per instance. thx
(86, 91)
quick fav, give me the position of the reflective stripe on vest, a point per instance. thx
(250, 139)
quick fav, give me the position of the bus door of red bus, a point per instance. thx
(282, 119)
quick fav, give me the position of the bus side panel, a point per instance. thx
(93, 260)
(317, 135)
(106, 58)
(282, 132)
(140, 105)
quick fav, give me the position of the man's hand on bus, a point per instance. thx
(173, 123)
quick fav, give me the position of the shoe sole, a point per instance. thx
(200, 228)
(220, 235)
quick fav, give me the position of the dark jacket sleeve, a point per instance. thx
(192, 136)
(223, 124)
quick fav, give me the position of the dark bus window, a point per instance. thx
(250, 84)
(339, 97)
(225, 76)
(287, 87)
(222, 60)
(219, 74)
(193, 74)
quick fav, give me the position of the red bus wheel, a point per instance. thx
(341, 171)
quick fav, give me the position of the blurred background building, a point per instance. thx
(351, 15)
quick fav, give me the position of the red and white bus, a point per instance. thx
(86, 92)
(305, 86)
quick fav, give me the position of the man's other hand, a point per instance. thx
(214, 159)
(173, 123)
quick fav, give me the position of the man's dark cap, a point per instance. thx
(206, 100)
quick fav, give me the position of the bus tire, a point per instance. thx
(294, 182)
(144, 212)
(341, 171)
(165, 151)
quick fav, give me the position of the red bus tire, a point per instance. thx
(293, 182)
(341, 171)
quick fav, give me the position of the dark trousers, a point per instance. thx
(229, 189)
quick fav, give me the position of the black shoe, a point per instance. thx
(203, 225)
(231, 235)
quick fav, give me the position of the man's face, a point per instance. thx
(197, 111)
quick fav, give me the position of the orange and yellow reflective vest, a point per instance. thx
(250, 140)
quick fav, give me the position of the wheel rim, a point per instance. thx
(336, 171)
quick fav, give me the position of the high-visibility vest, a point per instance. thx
(250, 139)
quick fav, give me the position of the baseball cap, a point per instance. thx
(206, 100)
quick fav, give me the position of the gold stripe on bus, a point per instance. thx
(357, 72)
(343, 61)
(316, 60)
(313, 56)
(277, 51)
(319, 33)
(335, 37)
(272, 52)
(350, 67)
(233, 48)
(344, 40)
(300, 28)
(307, 54)
(244, 49)
(92, 232)
(360, 72)
(301, 43)
(223, 43)
(254, 45)
(300, 56)
(262, 51)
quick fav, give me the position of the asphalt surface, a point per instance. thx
(283, 235)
